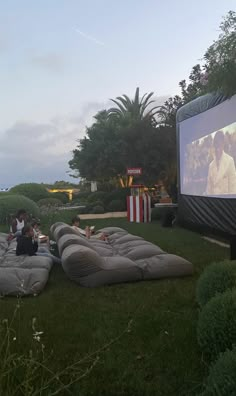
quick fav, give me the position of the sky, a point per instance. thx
(62, 60)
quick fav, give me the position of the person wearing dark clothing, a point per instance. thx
(26, 245)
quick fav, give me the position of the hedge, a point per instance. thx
(117, 205)
(97, 209)
(216, 278)
(216, 329)
(62, 196)
(10, 204)
(83, 195)
(49, 202)
(97, 196)
(222, 376)
(120, 194)
(32, 191)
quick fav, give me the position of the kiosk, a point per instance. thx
(138, 205)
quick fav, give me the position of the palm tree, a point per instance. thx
(136, 109)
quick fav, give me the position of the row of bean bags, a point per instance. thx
(122, 258)
(21, 275)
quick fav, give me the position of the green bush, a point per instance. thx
(62, 196)
(90, 206)
(97, 203)
(77, 202)
(216, 278)
(97, 209)
(32, 191)
(121, 194)
(97, 196)
(222, 376)
(216, 329)
(9, 204)
(49, 202)
(83, 195)
(117, 205)
(82, 210)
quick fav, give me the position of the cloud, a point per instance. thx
(53, 62)
(90, 38)
(40, 152)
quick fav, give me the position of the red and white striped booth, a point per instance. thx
(139, 207)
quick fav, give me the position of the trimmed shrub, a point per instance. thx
(97, 209)
(82, 210)
(97, 196)
(216, 278)
(117, 205)
(49, 202)
(222, 376)
(77, 202)
(97, 203)
(62, 196)
(90, 206)
(83, 195)
(216, 329)
(32, 191)
(9, 204)
(121, 194)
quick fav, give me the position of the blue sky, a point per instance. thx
(61, 60)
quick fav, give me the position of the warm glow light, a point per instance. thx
(69, 191)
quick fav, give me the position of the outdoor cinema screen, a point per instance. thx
(208, 152)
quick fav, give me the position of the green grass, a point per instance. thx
(159, 355)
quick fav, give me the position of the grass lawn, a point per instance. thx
(157, 356)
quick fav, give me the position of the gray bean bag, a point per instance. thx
(122, 258)
(21, 275)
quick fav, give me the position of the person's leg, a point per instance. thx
(43, 249)
(55, 259)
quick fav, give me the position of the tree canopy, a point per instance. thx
(112, 144)
(217, 73)
(136, 133)
(221, 58)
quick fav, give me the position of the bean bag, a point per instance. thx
(21, 275)
(122, 258)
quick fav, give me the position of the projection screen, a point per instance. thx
(206, 148)
(207, 144)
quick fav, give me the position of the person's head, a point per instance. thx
(27, 230)
(75, 221)
(35, 224)
(219, 142)
(21, 214)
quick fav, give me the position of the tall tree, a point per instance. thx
(221, 58)
(167, 112)
(136, 109)
(218, 73)
(97, 154)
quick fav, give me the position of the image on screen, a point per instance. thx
(209, 164)
(208, 152)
